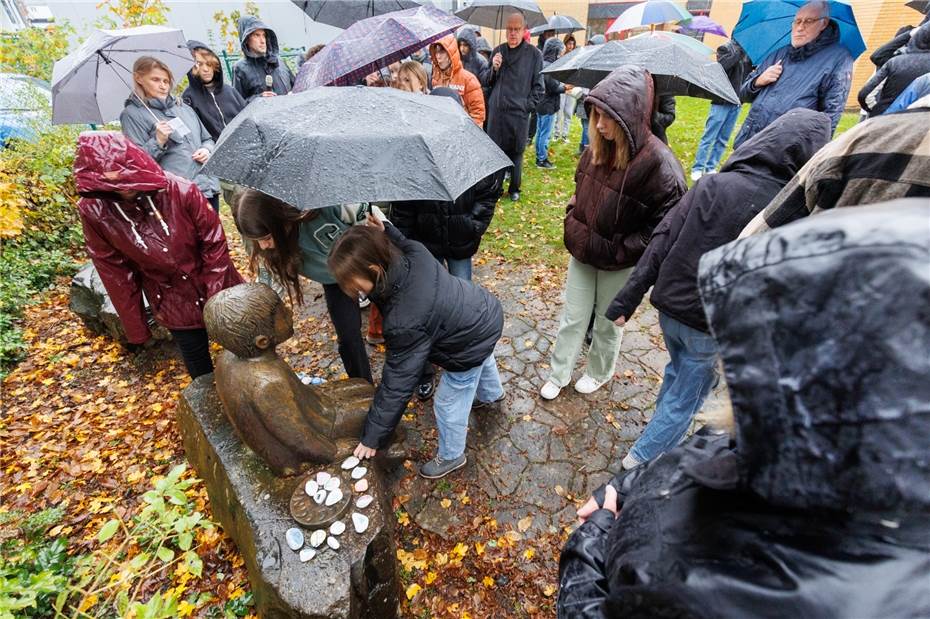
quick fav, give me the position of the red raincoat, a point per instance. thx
(167, 243)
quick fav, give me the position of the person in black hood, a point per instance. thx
(711, 214)
(472, 61)
(896, 74)
(818, 506)
(260, 72)
(215, 103)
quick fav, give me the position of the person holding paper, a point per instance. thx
(166, 129)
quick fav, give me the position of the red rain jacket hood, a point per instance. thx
(166, 243)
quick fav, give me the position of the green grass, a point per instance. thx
(530, 230)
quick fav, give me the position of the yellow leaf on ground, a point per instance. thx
(185, 608)
(403, 518)
(445, 503)
(412, 591)
(87, 603)
(528, 554)
(525, 523)
(479, 548)
(460, 550)
(548, 590)
(441, 559)
(487, 581)
(430, 578)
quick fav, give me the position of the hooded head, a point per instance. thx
(204, 50)
(552, 48)
(626, 95)
(249, 24)
(483, 46)
(823, 326)
(107, 162)
(920, 40)
(470, 38)
(448, 44)
(783, 147)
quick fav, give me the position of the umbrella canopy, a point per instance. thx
(344, 13)
(922, 6)
(494, 13)
(676, 69)
(702, 23)
(91, 84)
(373, 43)
(561, 24)
(765, 26)
(646, 13)
(330, 146)
(679, 39)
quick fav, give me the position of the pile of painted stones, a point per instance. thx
(325, 489)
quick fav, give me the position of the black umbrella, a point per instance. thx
(677, 70)
(337, 145)
(561, 24)
(344, 13)
(919, 5)
(494, 13)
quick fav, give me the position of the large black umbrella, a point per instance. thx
(922, 6)
(344, 13)
(561, 24)
(677, 70)
(494, 13)
(338, 145)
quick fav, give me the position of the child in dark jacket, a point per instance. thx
(428, 315)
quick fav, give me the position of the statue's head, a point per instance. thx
(248, 319)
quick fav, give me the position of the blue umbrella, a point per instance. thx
(765, 25)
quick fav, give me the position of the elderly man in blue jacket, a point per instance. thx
(814, 72)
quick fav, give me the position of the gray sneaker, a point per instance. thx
(437, 467)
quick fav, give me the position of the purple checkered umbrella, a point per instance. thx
(374, 43)
(702, 23)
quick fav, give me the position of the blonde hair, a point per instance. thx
(416, 69)
(145, 65)
(614, 153)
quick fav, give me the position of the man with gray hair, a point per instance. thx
(814, 71)
(516, 86)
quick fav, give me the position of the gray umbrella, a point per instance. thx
(344, 13)
(922, 6)
(677, 70)
(561, 24)
(335, 145)
(494, 13)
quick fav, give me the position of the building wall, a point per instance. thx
(878, 21)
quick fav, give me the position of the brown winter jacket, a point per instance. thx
(613, 212)
(458, 79)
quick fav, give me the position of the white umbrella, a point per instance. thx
(91, 84)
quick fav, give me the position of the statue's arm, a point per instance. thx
(278, 410)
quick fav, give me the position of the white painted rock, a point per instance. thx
(364, 501)
(294, 538)
(334, 497)
(317, 537)
(306, 554)
(322, 477)
(311, 487)
(320, 496)
(337, 528)
(333, 543)
(349, 463)
(332, 483)
(359, 472)
(361, 485)
(360, 522)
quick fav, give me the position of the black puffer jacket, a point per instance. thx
(429, 315)
(216, 106)
(884, 53)
(549, 104)
(663, 117)
(250, 71)
(898, 72)
(451, 229)
(714, 212)
(820, 505)
(737, 65)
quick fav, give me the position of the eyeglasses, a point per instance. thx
(810, 21)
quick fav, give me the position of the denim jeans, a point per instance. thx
(452, 403)
(717, 132)
(689, 376)
(545, 122)
(458, 268)
(584, 134)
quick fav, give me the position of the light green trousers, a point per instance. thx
(587, 290)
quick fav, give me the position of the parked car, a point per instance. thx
(25, 107)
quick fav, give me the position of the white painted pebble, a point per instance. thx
(320, 496)
(322, 477)
(337, 528)
(359, 472)
(317, 537)
(333, 543)
(332, 483)
(334, 497)
(360, 522)
(364, 501)
(294, 538)
(306, 554)
(311, 487)
(350, 462)
(361, 485)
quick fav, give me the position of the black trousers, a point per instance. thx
(347, 320)
(531, 133)
(516, 175)
(195, 350)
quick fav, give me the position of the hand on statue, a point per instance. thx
(362, 452)
(610, 503)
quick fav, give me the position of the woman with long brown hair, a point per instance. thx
(291, 243)
(625, 183)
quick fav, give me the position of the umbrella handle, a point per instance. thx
(132, 90)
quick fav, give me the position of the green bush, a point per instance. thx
(33, 51)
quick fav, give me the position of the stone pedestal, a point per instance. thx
(357, 581)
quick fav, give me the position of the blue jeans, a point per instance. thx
(717, 132)
(458, 268)
(584, 134)
(452, 403)
(544, 124)
(689, 376)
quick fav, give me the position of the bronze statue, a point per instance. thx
(284, 421)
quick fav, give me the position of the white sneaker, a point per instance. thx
(630, 462)
(711, 172)
(550, 391)
(696, 176)
(586, 385)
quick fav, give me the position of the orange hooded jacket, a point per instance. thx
(458, 79)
